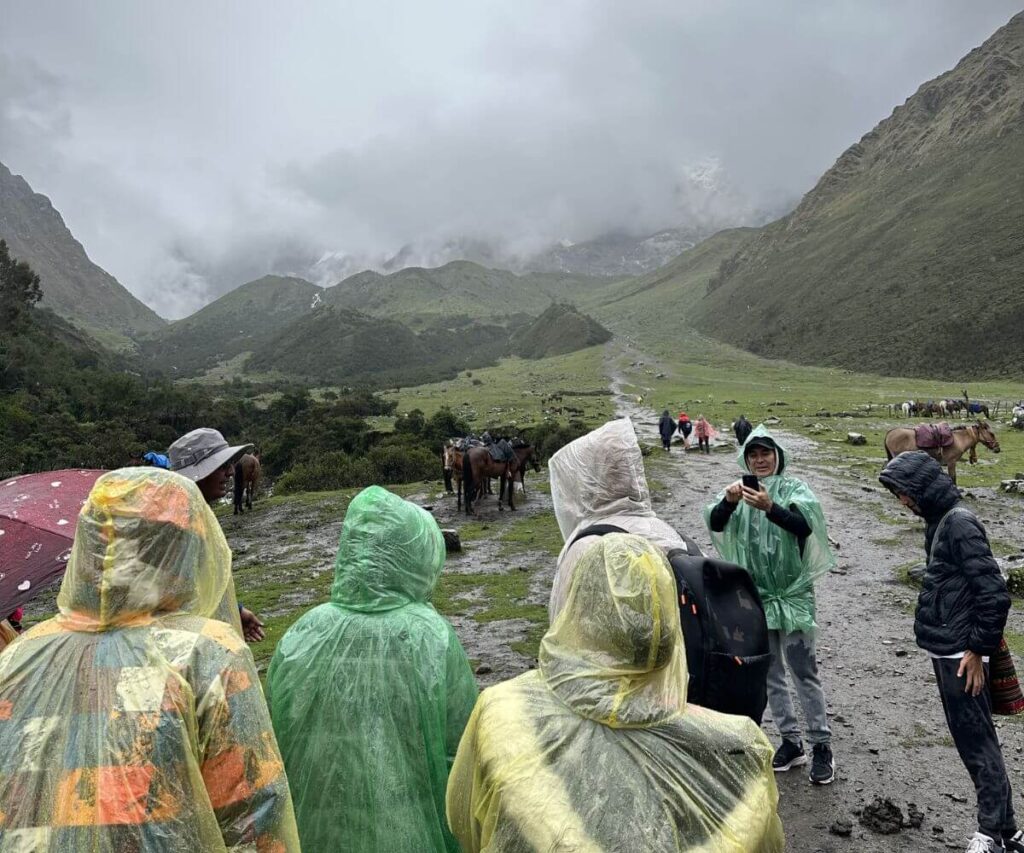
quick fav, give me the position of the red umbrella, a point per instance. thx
(38, 514)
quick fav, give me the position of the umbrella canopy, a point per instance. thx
(38, 513)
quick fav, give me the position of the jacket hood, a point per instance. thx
(761, 435)
(598, 475)
(146, 543)
(615, 653)
(390, 553)
(921, 478)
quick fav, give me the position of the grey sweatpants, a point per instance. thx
(796, 650)
(970, 722)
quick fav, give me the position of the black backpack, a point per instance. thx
(724, 629)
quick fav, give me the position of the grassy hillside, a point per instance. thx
(658, 305)
(422, 297)
(560, 329)
(73, 286)
(906, 256)
(239, 321)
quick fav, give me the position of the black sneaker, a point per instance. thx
(790, 754)
(1014, 844)
(823, 766)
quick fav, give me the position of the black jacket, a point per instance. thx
(667, 426)
(742, 428)
(963, 603)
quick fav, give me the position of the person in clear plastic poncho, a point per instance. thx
(132, 721)
(370, 692)
(778, 534)
(598, 750)
(599, 479)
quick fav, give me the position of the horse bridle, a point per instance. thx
(992, 445)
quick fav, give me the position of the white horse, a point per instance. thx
(906, 410)
(943, 408)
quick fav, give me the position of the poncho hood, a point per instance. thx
(615, 652)
(761, 435)
(146, 544)
(920, 477)
(598, 475)
(390, 553)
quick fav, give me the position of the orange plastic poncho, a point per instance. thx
(132, 721)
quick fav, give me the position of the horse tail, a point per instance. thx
(468, 492)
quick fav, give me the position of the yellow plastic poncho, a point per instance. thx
(370, 692)
(131, 722)
(784, 576)
(598, 750)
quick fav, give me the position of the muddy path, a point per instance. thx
(890, 737)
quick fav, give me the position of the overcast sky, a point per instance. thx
(194, 145)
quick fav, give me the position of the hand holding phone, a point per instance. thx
(751, 482)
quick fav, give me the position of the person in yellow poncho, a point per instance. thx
(132, 721)
(598, 749)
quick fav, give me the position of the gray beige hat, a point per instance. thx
(199, 453)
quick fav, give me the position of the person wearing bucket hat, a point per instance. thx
(204, 457)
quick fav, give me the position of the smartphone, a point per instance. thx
(751, 482)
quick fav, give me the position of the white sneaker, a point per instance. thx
(981, 843)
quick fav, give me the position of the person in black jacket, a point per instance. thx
(742, 428)
(667, 428)
(961, 613)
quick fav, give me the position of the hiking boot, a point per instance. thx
(791, 754)
(981, 843)
(823, 766)
(1014, 844)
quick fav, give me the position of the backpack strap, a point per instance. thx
(597, 530)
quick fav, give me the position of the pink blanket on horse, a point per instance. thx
(932, 436)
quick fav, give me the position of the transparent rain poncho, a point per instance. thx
(598, 750)
(370, 692)
(784, 577)
(599, 479)
(131, 721)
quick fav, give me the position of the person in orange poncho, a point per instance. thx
(132, 721)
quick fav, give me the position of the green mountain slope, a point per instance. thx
(73, 286)
(421, 297)
(660, 303)
(560, 329)
(240, 321)
(907, 255)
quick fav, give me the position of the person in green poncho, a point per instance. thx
(370, 693)
(778, 533)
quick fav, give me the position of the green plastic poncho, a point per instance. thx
(784, 577)
(598, 750)
(370, 692)
(131, 721)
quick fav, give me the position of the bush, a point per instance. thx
(404, 464)
(1015, 581)
(326, 473)
(549, 438)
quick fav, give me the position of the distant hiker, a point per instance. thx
(778, 534)
(134, 719)
(742, 428)
(205, 457)
(597, 748)
(370, 692)
(960, 617)
(667, 428)
(704, 432)
(598, 479)
(685, 427)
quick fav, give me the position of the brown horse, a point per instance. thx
(477, 466)
(247, 478)
(453, 470)
(965, 439)
(526, 457)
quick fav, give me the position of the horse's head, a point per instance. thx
(987, 437)
(448, 455)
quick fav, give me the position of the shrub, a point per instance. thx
(1015, 581)
(404, 464)
(326, 473)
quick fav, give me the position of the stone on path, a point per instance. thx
(452, 542)
(855, 438)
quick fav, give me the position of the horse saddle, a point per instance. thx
(501, 451)
(933, 436)
(469, 441)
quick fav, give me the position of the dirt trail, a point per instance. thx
(890, 737)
